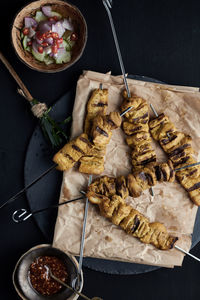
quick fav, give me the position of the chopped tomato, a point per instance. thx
(59, 41)
(39, 36)
(51, 19)
(40, 49)
(55, 18)
(25, 31)
(54, 35)
(45, 44)
(29, 43)
(48, 34)
(54, 49)
(73, 37)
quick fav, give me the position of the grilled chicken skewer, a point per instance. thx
(137, 128)
(134, 184)
(133, 222)
(101, 133)
(97, 105)
(177, 145)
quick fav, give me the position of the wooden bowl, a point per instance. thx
(66, 10)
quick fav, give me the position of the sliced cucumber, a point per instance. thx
(40, 16)
(38, 56)
(64, 58)
(56, 14)
(69, 41)
(24, 42)
(28, 49)
(48, 60)
(67, 34)
(66, 45)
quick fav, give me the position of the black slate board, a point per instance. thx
(46, 191)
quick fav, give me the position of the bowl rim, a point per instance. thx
(73, 259)
(65, 67)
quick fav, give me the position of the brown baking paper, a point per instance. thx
(170, 205)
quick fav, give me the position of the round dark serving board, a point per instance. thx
(46, 192)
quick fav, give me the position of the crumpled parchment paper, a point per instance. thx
(170, 205)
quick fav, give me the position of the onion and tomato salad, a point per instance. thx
(48, 36)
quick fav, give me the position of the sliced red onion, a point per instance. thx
(39, 41)
(46, 11)
(30, 22)
(53, 55)
(58, 28)
(67, 24)
(48, 50)
(44, 27)
(49, 41)
(31, 32)
(35, 46)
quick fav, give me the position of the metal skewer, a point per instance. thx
(22, 214)
(108, 5)
(49, 273)
(188, 166)
(182, 250)
(10, 200)
(83, 231)
(153, 109)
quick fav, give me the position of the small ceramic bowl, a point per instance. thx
(66, 10)
(21, 279)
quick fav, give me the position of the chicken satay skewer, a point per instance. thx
(108, 5)
(177, 146)
(13, 198)
(181, 168)
(178, 169)
(132, 221)
(136, 128)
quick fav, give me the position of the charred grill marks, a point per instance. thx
(68, 156)
(136, 224)
(78, 149)
(178, 148)
(86, 141)
(194, 187)
(100, 104)
(101, 131)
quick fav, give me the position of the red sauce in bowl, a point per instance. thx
(41, 280)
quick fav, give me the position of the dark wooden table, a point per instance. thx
(159, 39)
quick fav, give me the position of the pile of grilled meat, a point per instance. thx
(109, 193)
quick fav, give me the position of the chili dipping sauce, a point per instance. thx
(41, 280)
